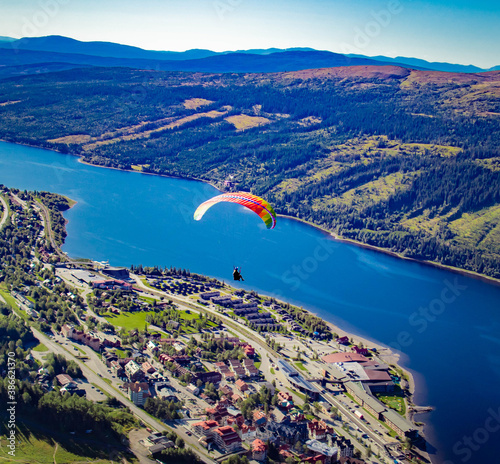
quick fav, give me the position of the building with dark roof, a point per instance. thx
(403, 427)
(287, 431)
(298, 381)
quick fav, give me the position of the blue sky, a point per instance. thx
(458, 31)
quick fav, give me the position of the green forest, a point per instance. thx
(404, 160)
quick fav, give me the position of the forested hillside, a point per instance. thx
(406, 160)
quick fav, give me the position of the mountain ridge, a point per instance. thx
(111, 50)
(223, 63)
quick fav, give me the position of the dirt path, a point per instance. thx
(55, 451)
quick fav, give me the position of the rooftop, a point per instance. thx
(344, 357)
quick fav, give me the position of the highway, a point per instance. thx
(353, 419)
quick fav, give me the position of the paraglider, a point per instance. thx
(237, 274)
(253, 202)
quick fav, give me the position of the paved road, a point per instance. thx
(353, 419)
(266, 355)
(98, 380)
(5, 213)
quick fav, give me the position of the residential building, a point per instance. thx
(358, 350)
(133, 371)
(64, 380)
(403, 427)
(139, 392)
(227, 439)
(207, 377)
(205, 428)
(241, 386)
(259, 418)
(193, 389)
(147, 368)
(249, 351)
(318, 429)
(259, 450)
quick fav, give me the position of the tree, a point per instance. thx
(179, 442)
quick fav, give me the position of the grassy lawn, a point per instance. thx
(37, 447)
(257, 364)
(147, 284)
(11, 301)
(300, 366)
(129, 321)
(300, 395)
(120, 353)
(188, 329)
(40, 347)
(272, 371)
(148, 299)
(395, 402)
(189, 316)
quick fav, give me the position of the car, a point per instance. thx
(188, 433)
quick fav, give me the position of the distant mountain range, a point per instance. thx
(52, 53)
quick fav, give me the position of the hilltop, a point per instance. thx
(407, 160)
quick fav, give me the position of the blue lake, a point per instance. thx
(446, 325)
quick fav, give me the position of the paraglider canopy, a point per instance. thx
(253, 202)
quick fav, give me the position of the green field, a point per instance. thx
(129, 321)
(395, 402)
(10, 300)
(300, 366)
(40, 347)
(137, 320)
(36, 447)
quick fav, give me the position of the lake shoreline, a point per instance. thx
(388, 356)
(456, 270)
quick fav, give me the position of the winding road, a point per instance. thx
(96, 379)
(5, 213)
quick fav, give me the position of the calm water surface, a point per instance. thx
(446, 325)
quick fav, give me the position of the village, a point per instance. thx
(231, 371)
(314, 400)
